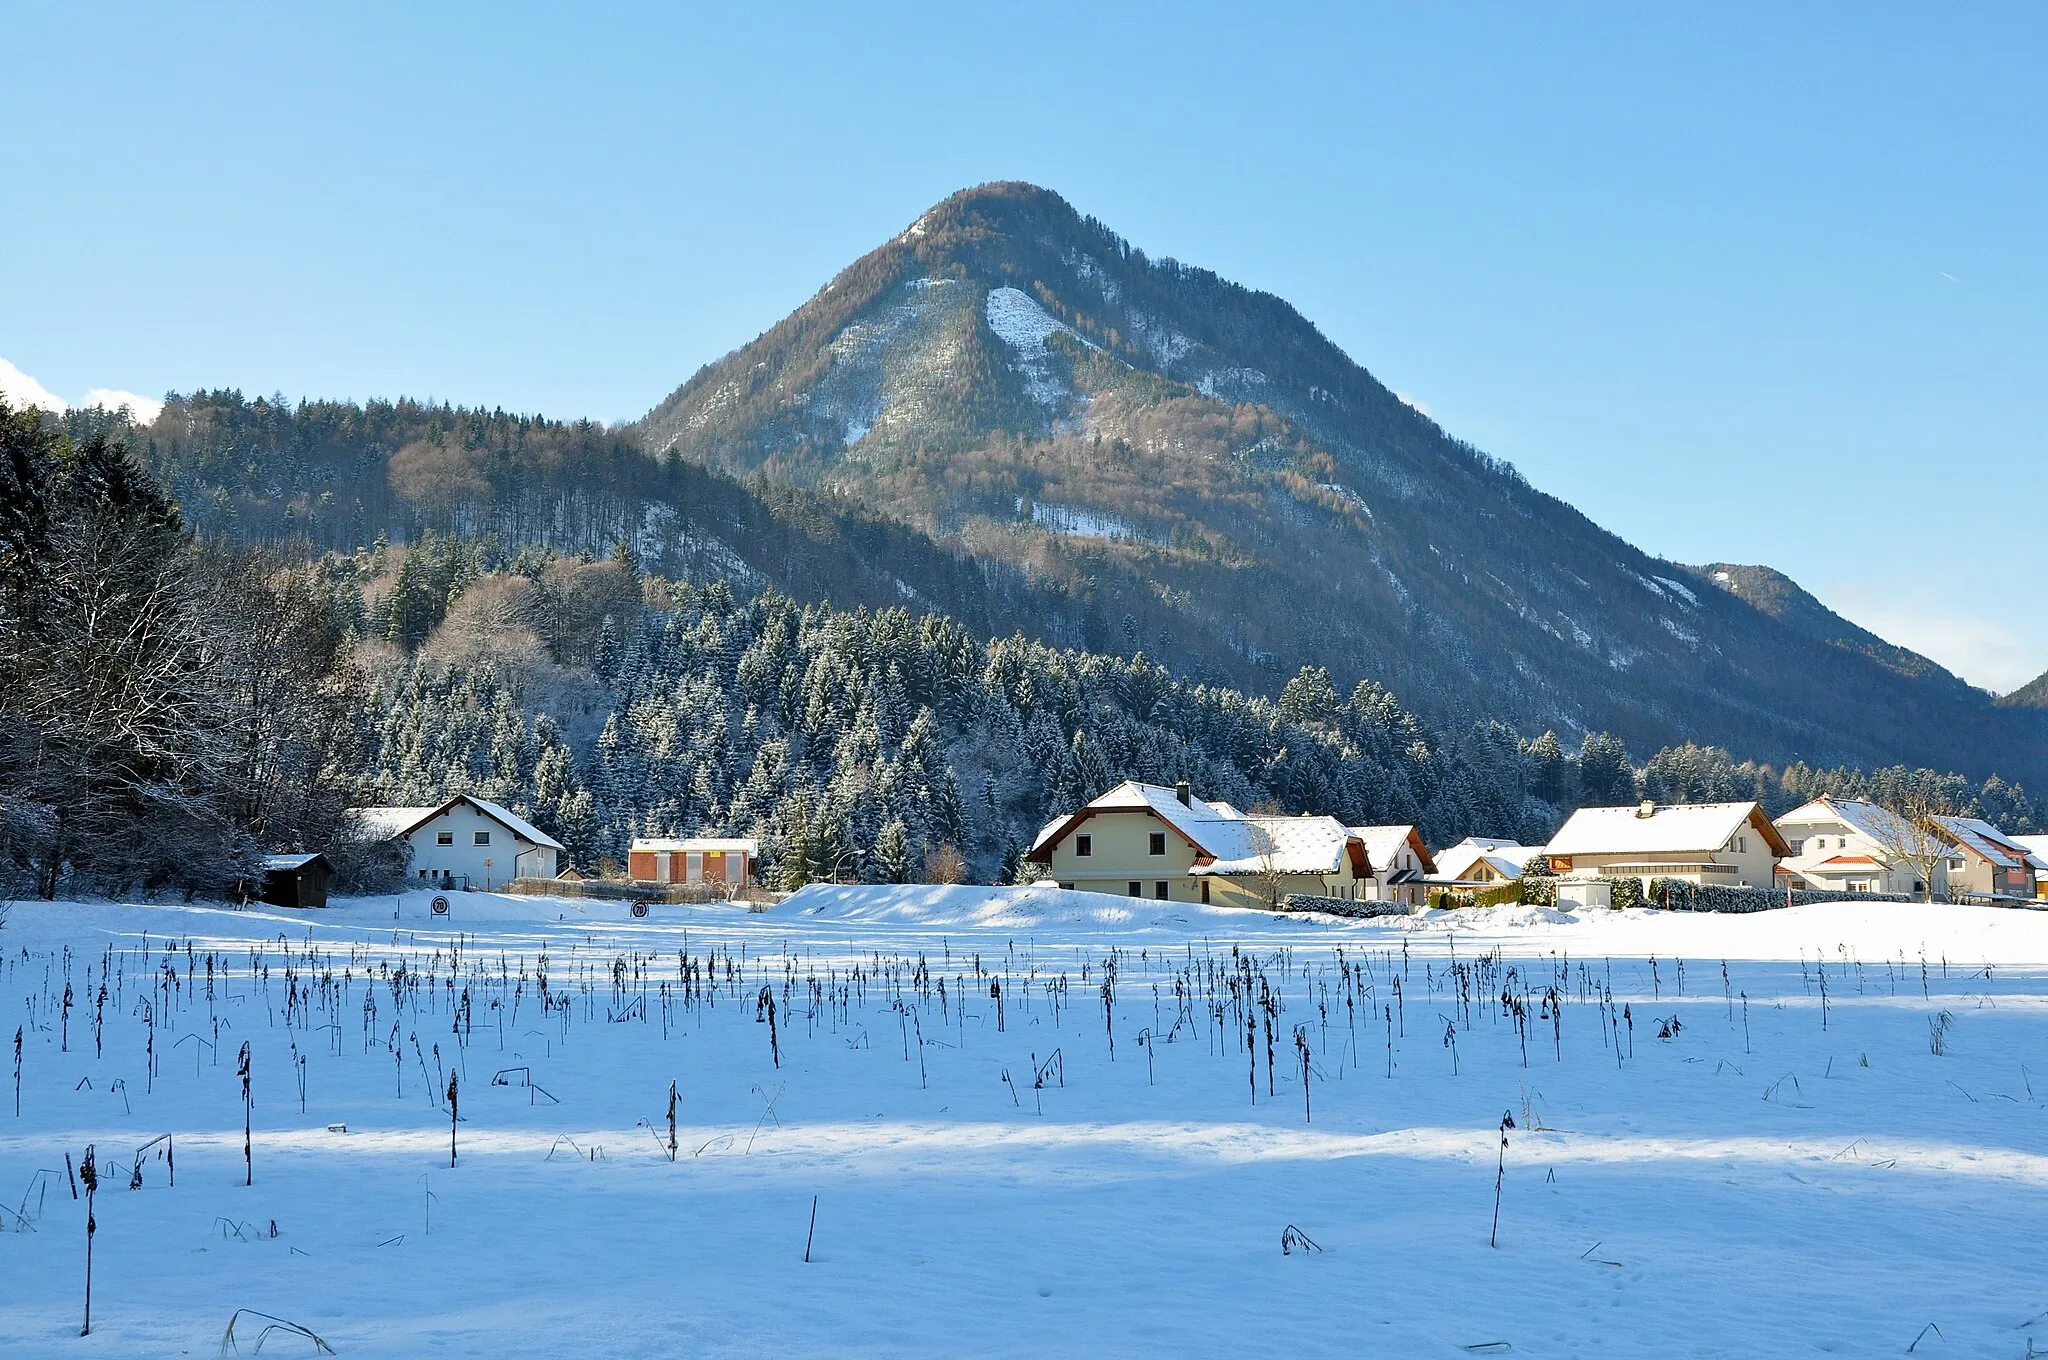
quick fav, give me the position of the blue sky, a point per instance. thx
(1749, 283)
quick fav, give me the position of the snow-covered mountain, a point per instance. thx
(1186, 467)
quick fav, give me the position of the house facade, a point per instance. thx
(702, 859)
(1397, 863)
(1850, 846)
(1167, 845)
(1987, 862)
(1732, 845)
(466, 842)
(2037, 850)
(1480, 862)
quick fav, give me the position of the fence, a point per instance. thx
(626, 890)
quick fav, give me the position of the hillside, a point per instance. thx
(1223, 486)
(2033, 694)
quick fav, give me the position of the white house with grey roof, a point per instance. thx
(1850, 846)
(466, 842)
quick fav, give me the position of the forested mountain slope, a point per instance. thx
(1218, 484)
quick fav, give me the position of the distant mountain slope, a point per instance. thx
(2033, 694)
(1215, 482)
(1783, 599)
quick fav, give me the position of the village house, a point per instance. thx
(466, 842)
(1986, 862)
(1730, 845)
(1849, 846)
(727, 863)
(1142, 840)
(2037, 850)
(1397, 863)
(1481, 862)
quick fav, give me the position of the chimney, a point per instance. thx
(1646, 808)
(1185, 794)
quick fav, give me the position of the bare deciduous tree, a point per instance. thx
(1913, 832)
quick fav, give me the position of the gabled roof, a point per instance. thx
(1198, 823)
(1383, 846)
(1455, 861)
(390, 823)
(1225, 840)
(1987, 842)
(1669, 828)
(289, 862)
(697, 843)
(1868, 819)
(1843, 863)
(1294, 845)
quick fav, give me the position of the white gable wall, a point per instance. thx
(508, 854)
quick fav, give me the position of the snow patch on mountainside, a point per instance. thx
(1024, 326)
(878, 362)
(1073, 521)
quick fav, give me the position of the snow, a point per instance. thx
(1792, 1171)
(1022, 324)
(1072, 521)
(1671, 829)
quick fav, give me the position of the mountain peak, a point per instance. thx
(1207, 477)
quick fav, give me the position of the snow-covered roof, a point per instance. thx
(1293, 845)
(1383, 846)
(2037, 850)
(1987, 841)
(1455, 861)
(1206, 825)
(393, 822)
(1227, 841)
(1869, 819)
(697, 843)
(288, 861)
(519, 826)
(1658, 829)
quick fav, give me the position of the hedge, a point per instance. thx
(1342, 906)
(1679, 895)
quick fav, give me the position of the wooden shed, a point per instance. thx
(296, 880)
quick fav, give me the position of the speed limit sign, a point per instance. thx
(440, 906)
(639, 909)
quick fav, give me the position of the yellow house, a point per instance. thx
(1733, 845)
(1142, 840)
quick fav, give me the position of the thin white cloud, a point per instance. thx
(143, 410)
(22, 390)
(1416, 403)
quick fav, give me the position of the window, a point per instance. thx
(444, 838)
(423, 873)
(1084, 846)
(1205, 892)
(1159, 890)
(1798, 849)
(1137, 888)
(1742, 845)
(483, 838)
(1066, 887)
(1158, 844)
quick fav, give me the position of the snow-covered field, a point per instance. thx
(1753, 1150)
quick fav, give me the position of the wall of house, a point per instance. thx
(1842, 839)
(1120, 854)
(686, 866)
(1754, 863)
(463, 857)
